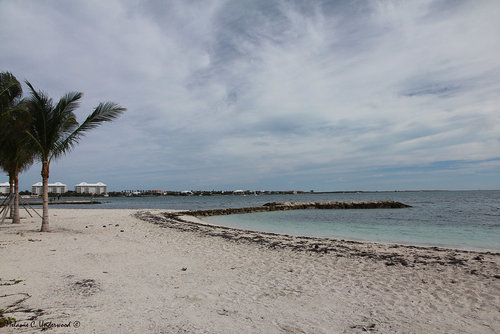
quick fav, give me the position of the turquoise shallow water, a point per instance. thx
(466, 220)
(381, 226)
(452, 219)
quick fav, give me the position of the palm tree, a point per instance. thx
(10, 90)
(54, 131)
(15, 153)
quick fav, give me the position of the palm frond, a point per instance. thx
(63, 121)
(104, 112)
(69, 102)
(7, 82)
(41, 109)
(10, 91)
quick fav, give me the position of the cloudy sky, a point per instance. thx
(262, 94)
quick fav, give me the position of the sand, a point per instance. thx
(107, 271)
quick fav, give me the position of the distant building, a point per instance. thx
(91, 188)
(54, 188)
(4, 188)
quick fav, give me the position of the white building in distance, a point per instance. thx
(4, 188)
(91, 188)
(54, 188)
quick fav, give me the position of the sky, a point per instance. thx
(265, 94)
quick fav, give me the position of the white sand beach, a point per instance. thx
(107, 271)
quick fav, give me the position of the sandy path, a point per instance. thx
(174, 280)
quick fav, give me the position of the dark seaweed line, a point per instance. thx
(473, 262)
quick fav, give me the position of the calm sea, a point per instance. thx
(452, 219)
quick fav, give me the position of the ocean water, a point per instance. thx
(464, 220)
(451, 219)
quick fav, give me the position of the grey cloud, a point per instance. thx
(230, 92)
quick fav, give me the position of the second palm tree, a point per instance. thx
(54, 131)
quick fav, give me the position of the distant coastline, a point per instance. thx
(172, 193)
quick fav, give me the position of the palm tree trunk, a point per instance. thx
(16, 219)
(45, 182)
(11, 193)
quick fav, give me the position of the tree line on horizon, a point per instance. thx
(35, 128)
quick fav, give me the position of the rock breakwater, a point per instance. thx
(281, 206)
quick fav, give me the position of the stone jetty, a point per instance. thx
(281, 206)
